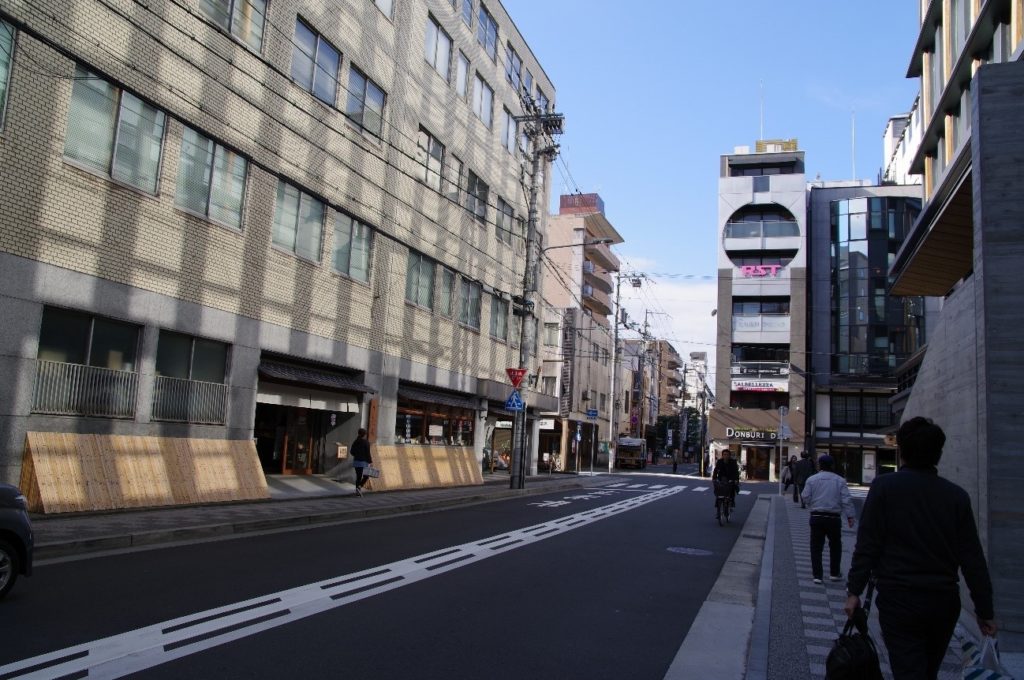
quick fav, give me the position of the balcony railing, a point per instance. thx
(774, 229)
(77, 390)
(189, 401)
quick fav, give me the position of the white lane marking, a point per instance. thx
(612, 486)
(658, 486)
(744, 493)
(142, 648)
(701, 488)
(637, 486)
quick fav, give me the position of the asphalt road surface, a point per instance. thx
(601, 582)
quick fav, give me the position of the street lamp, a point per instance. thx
(526, 349)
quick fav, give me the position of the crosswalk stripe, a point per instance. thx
(744, 493)
(701, 488)
(658, 486)
(636, 486)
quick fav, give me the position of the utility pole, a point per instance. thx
(614, 421)
(540, 127)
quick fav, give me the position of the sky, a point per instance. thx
(653, 93)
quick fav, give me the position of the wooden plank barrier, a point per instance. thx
(424, 467)
(65, 472)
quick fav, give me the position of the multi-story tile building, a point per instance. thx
(261, 221)
(669, 379)
(577, 270)
(966, 247)
(762, 293)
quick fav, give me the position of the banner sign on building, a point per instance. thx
(760, 270)
(761, 385)
(759, 435)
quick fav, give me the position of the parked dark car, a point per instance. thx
(15, 537)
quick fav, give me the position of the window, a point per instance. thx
(384, 6)
(513, 66)
(595, 351)
(467, 12)
(419, 280)
(437, 48)
(315, 64)
(469, 303)
(461, 75)
(114, 132)
(549, 386)
(74, 338)
(476, 197)
(454, 181)
(551, 335)
(365, 103)
(499, 318)
(188, 358)
(446, 292)
(483, 100)
(542, 101)
(189, 385)
(762, 183)
(6, 58)
(487, 32)
(527, 83)
(298, 221)
(503, 228)
(243, 19)
(429, 155)
(508, 133)
(605, 357)
(211, 179)
(352, 243)
(602, 402)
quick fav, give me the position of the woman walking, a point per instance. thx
(361, 459)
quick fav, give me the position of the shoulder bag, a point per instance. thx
(854, 655)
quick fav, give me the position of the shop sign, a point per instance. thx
(546, 423)
(503, 425)
(435, 430)
(763, 435)
(760, 270)
(763, 385)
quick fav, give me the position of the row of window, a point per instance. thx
(860, 410)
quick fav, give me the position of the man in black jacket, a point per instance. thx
(802, 471)
(916, 531)
(727, 470)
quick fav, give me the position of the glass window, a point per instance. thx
(75, 338)
(430, 156)
(419, 280)
(446, 292)
(352, 243)
(469, 303)
(542, 100)
(298, 221)
(762, 183)
(499, 318)
(384, 6)
(183, 356)
(503, 228)
(476, 197)
(244, 19)
(461, 75)
(114, 132)
(551, 334)
(453, 188)
(509, 132)
(437, 48)
(114, 345)
(858, 226)
(6, 59)
(487, 32)
(527, 83)
(365, 103)
(513, 66)
(467, 12)
(315, 63)
(483, 100)
(211, 179)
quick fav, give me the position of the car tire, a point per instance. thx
(10, 565)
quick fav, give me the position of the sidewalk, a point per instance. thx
(294, 501)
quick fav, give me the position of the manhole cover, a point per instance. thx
(690, 551)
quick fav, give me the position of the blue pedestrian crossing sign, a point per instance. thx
(514, 402)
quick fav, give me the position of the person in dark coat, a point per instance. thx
(727, 470)
(917, 532)
(788, 474)
(802, 471)
(361, 458)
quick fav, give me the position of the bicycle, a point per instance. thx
(724, 502)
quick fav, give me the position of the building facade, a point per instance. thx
(859, 334)
(578, 270)
(965, 247)
(262, 221)
(762, 291)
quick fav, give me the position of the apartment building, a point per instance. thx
(760, 381)
(966, 247)
(668, 376)
(577, 270)
(859, 333)
(271, 222)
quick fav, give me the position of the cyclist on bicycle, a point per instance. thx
(726, 470)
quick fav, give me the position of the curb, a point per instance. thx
(44, 551)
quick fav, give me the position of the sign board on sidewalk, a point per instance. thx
(515, 376)
(514, 401)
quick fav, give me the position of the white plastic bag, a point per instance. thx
(990, 656)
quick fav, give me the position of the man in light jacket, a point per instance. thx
(828, 499)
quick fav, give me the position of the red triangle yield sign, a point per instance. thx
(515, 376)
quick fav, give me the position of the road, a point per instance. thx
(602, 582)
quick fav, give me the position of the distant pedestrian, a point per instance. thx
(802, 471)
(828, 497)
(675, 461)
(917, 532)
(788, 478)
(361, 459)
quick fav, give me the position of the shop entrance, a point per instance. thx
(756, 461)
(291, 440)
